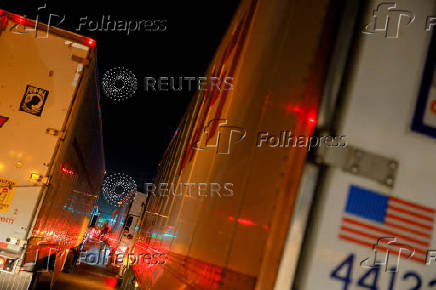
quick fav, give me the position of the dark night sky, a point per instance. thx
(137, 131)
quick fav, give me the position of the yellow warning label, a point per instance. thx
(7, 190)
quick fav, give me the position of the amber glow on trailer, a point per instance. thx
(2, 261)
(35, 176)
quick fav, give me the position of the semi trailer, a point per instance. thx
(51, 149)
(359, 215)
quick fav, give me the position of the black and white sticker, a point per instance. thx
(33, 100)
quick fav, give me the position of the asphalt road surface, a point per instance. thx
(84, 277)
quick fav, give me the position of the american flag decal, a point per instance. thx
(369, 216)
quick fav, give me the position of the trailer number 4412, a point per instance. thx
(370, 278)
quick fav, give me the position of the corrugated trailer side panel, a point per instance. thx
(213, 242)
(77, 175)
(51, 144)
(37, 85)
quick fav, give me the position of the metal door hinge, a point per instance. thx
(359, 162)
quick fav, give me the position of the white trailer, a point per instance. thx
(376, 200)
(51, 155)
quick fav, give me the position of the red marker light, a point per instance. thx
(89, 41)
(433, 106)
(246, 222)
(311, 118)
(4, 19)
(296, 109)
(19, 19)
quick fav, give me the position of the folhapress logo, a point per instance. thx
(388, 19)
(390, 246)
(226, 136)
(218, 135)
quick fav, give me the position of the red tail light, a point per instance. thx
(89, 41)
(19, 19)
(311, 119)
